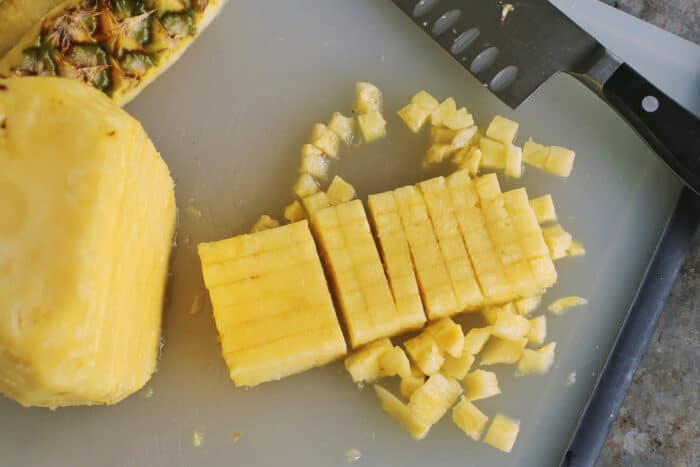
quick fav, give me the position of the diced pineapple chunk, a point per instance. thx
(325, 140)
(340, 191)
(443, 110)
(535, 154)
(465, 137)
(576, 249)
(509, 325)
(469, 419)
(364, 364)
(425, 100)
(315, 202)
(502, 129)
(372, 125)
(440, 135)
(458, 119)
(264, 222)
(502, 433)
(525, 306)
(558, 240)
(514, 161)
(490, 314)
(448, 336)
(368, 98)
(437, 153)
(480, 384)
(499, 350)
(400, 412)
(342, 126)
(536, 361)
(493, 154)
(468, 159)
(544, 209)
(313, 162)
(475, 339)
(425, 353)
(538, 330)
(305, 186)
(409, 384)
(394, 362)
(294, 212)
(458, 367)
(432, 400)
(414, 116)
(560, 161)
(558, 307)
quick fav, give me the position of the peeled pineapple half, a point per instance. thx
(116, 46)
(88, 216)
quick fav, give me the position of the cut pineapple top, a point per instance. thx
(271, 303)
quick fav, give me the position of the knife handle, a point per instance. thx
(672, 131)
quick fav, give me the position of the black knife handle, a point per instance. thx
(672, 131)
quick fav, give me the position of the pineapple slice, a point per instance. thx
(475, 339)
(305, 186)
(535, 154)
(342, 126)
(469, 419)
(264, 222)
(544, 209)
(432, 400)
(448, 336)
(325, 140)
(560, 161)
(437, 153)
(414, 116)
(525, 306)
(560, 306)
(499, 350)
(425, 100)
(440, 135)
(480, 384)
(425, 353)
(340, 191)
(86, 230)
(514, 161)
(409, 384)
(538, 330)
(502, 433)
(442, 111)
(536, 361)
(510, 325)
(502, 130)
(372, 126)
(368, 98)
(576, 249)
(394, 362)
(558, 240)
(469, 159)
(457, 367)
(313, 162)
(294, 212)
(314, 203)
(416, 427)
(493, 154)
(458, 119)
(364, 364)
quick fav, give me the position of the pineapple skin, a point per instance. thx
(123, 89)
(81, 304)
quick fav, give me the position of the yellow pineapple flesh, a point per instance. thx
(425, 353)
(469, 419)
(506, 351)
(536, 361)
(502, 433)
(475, 339)
(538, 330)
(448, 335)
(339, 191)
(481, 384)
(409, 384)
(432, 400)
(363, 364)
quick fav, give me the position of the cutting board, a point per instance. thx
(230, 118)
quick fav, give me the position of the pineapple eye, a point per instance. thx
(37, 62)
(178, 25)
(136, 64)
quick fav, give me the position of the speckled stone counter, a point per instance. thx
(659, 423)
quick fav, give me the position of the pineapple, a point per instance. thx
(425, 353)
(313, 162)
(315, 202)
(502, 433)
(560, 306)
(480, 384)
(457, 367)
(264, 222)
(294, 212)
(458, 119)
(118, 47)
(363, 365)
(538, 330)
(558, 240)
(469, 159)
(325, 140)
(465, 137)
(416, 426)
(342, 126)
(372, 126)
(535, 154)
(442, 111)
(469, 419)
(525, 306)
(576, 249)
(544, 209)
(409, 384)
(394, 362)
(88, 220)
(368, 98)
(432, 400)
(560, 161)
(490, 314)
(340, 191)
(425, 100)
(305, 186)
(536, 361)
(510, 325)
(514, 161)
(498, 350)
(493, 154)
(414, 116)
(271, 304)
(448, 336)
(440, 135)
(437, 153)
(502, 130)
(475, 339)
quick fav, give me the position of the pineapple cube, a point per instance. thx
(558, 240)
(409, 384)
(545, 273)
(480, 384)
(493, 154)
(325, 140)
(364, 364)
(372, 125)
(544, 209)
(538, 330)
(502, 433)
(425, 353)
(443, 110)
(440, 135)
(437, 153)
(469, 419)
(490, 314)
(368, 98)
(514, 161)
(342, 126)
(499, 350)
(469, 159)
(509, 325)
(576, 249)
(432, 400)
(264, 222)
(340, 191)
(305, 186)
(315, 203)
(558, 307)
(414, 116)
(527, 305)
(425, 100)
(394, 362)
(400, 412)
(465, 137)
(487, 187)
(536, 361)
(448, 335)
(475, 339)
(458, 367)
(313, 162)
(535, 154)
(294, 212)
(458, 119)
(560, 161)
(502, 129)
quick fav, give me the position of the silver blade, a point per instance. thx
(512, 53)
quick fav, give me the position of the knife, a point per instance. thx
(513, 48)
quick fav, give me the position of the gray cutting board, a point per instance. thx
(229, 118)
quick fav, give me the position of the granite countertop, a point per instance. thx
(659, 423)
